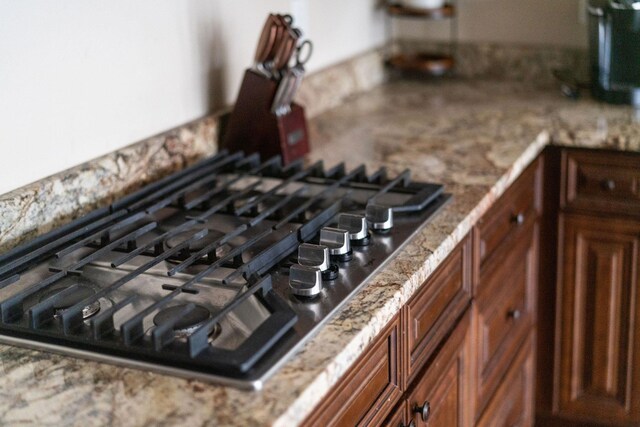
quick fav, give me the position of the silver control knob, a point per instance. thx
(336, 239)
(305, 281)
(379, 217)
(356, 225)
(314, 256)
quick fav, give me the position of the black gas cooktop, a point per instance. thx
(219, 272)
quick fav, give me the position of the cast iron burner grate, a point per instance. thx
(190, 275)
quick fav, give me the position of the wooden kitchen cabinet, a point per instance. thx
(590, 346)
(598, 373)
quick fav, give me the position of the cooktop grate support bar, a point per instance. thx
(198, 340)
(295, 177)
(104, 235)
(207, 249)
(177, 187)
(255, 170)
(127, 201)
(278, 205)
(102, 324)
(45, 250)
(403, 178)
(9, 280)
(132, 328)
(72, 316)
(12, 307)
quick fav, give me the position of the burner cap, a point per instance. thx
(66, 301)
(188, 323)
(199, 244)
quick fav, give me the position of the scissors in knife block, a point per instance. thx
(290, 82)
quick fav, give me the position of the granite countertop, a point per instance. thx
(475, 137)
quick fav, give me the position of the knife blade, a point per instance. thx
(278, 107)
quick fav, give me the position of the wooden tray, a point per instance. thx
(430, 63)
(444, 12)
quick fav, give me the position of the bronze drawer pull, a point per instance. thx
(518, 218)
(424, 411)
(608, 184)
(514, 314)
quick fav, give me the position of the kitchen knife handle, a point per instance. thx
(285, 50)
(267, 40)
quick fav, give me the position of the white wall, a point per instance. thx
(528, 22)
(81, 78)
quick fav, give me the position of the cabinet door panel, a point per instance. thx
(512, 403)
(444, 388)
(369, 390)
(599, 366)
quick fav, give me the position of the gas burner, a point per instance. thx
(189, 323)
(199, 244)
(65, 301)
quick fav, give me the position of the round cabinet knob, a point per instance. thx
(609, 184)
(357, 227)
(305, 281)
(337, 240)
(515, 314)
(379, 217)
(424, 411)
(518, 218)
(312, 255)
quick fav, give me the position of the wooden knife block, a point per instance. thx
(253, 128)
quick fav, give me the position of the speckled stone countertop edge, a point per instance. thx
(309, 397)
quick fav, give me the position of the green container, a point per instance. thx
(614, 44)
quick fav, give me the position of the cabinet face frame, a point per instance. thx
(597, 357)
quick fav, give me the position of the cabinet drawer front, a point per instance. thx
(519, 205)
(435, 308)
(444, 387)
(369, 390)
(601, 182)
(512, 403)
(506, 311)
